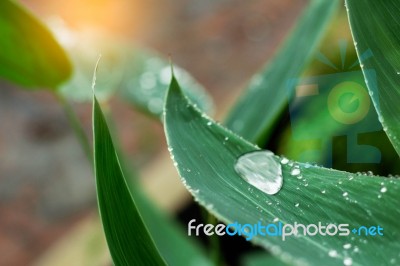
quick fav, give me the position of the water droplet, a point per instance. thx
(347, 261)
(398, 72)
(284, 160)
(261, 170)
(297, 204)
(209, 123)
(275, 220)
(226, 138)
(332, 253)
(345, 194)
(295, 171)
(383, 190)
(323, 191)
(347, 246)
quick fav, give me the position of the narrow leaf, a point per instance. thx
(29, 55)
(127, 237)
(375, 28)
(205, 154)
(267, 93)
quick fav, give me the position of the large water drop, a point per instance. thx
(261, 170)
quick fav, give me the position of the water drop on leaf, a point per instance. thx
(261, 170)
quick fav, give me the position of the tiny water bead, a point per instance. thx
(332, 253)
(261, 170)
(295, 171)
(347, 261)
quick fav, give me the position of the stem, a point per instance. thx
(77, 127)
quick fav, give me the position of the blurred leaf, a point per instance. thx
(127, 237)
(84, 48)
(206, 164)
(264, 99)
(375, 27)
(29, 54)
(146, 81)
(316, 127)
(140, 75)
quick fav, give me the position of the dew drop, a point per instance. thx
(261, 170)
(297, 204)
(332, 253)
(323, 191)
(295, 171)
(347, 246)
(383, 190)
(345, 194)
(284, 160)
(209, 123)
(276, 220)
(347, 261)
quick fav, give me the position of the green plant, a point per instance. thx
(205, 154)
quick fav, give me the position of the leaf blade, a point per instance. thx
(267, 92)
(326, 197)
(374, 27)
(127, 237)
(30, 56)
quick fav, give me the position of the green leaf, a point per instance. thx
(375, 28)
(316, 132)
(140, 76)
(29, 54)
(205, 154)
(146, 81)
(267, 94)
(173, 243)
(127, 237)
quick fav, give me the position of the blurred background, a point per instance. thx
(47, 193)
(48, 212)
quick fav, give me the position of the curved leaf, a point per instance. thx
(127, 237)
(205, 154)
(29, 54)
(267, 93)
(375, 28)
